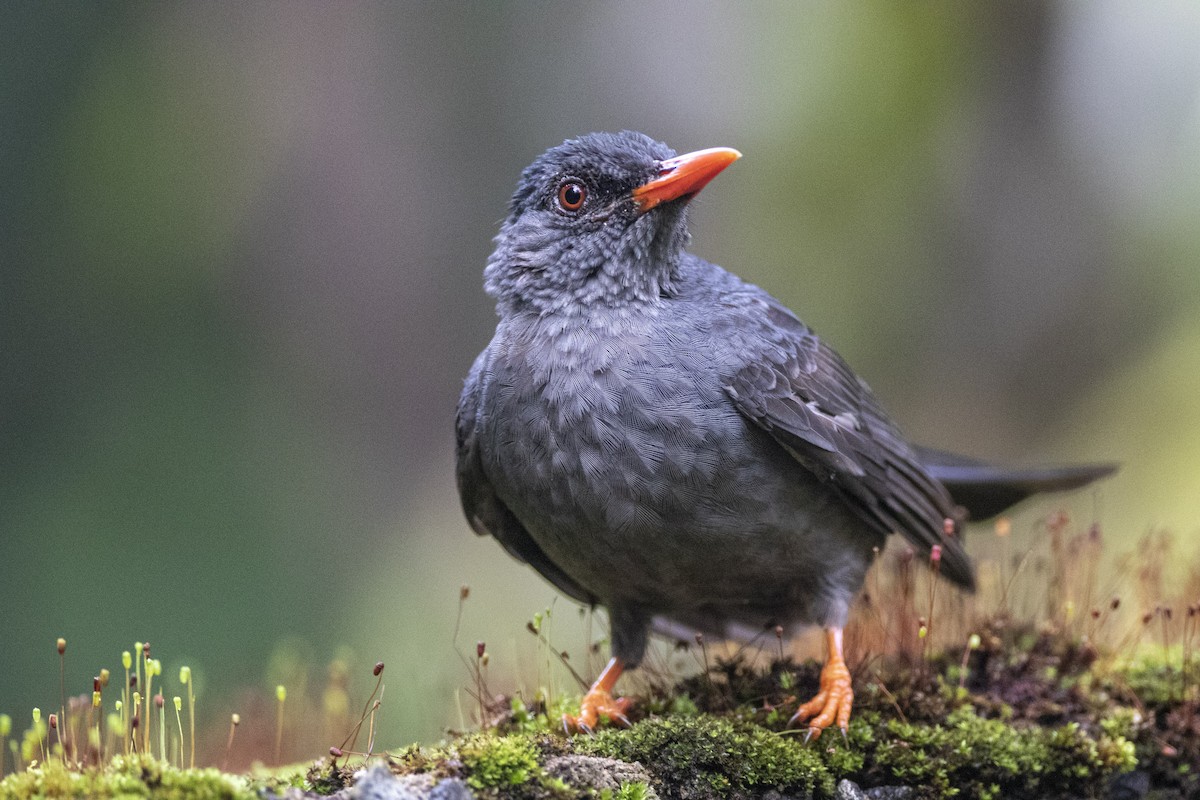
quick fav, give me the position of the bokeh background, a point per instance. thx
(240, 259)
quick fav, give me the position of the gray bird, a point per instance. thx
(657, 436)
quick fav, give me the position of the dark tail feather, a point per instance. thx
(986, 489)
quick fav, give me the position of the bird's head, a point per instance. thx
(598, 220)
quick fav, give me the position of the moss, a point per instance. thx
(961, 755)
(969, 756)
(1156, 678)
(635, 790)
(1044, 722)
(507, 766)
(708, 757)
(326, 777)
(126, 778)
(1166, 729)
(499, 761)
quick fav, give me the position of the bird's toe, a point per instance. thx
(831, 705)
(597, 704)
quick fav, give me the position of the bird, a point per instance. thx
(654, 435)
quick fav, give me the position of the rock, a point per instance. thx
(1129, 786)
(451, 789)
(378, 783)
(594, 772)
(849, 790)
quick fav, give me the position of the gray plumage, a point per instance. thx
(653, 434)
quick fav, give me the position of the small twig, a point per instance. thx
(352, 738)
(562, 659)
(891, 698)
(707, 669)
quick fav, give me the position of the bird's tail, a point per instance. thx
(986, 489)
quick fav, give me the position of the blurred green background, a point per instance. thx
(240, 259)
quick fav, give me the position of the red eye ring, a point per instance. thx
(571, 196)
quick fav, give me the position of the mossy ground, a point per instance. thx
(1034, 715)
(1006, 704)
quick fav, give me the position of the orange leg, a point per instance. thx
(600, 702)
(836, 697)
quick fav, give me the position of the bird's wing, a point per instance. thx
(485, 511)
(807, 398)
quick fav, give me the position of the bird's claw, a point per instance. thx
(831, 705)
(815, 733)
(597, 703)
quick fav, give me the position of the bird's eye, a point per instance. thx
(571, 196)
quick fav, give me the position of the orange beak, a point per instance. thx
(683, 176)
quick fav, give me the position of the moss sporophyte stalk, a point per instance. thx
(85, 732)
(185, 678)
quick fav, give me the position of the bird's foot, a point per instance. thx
(597, 703)
(832, 703)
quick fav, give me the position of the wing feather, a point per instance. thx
(809, 400)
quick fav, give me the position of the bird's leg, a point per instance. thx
(600, 702)
(836, 697)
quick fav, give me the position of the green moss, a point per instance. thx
(1156, 678)
(633, 791)
(969, 756)
(499, 761)
(964, 756)
(326, 777)
(707, 757)
(1035, 723)
(130, 777)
